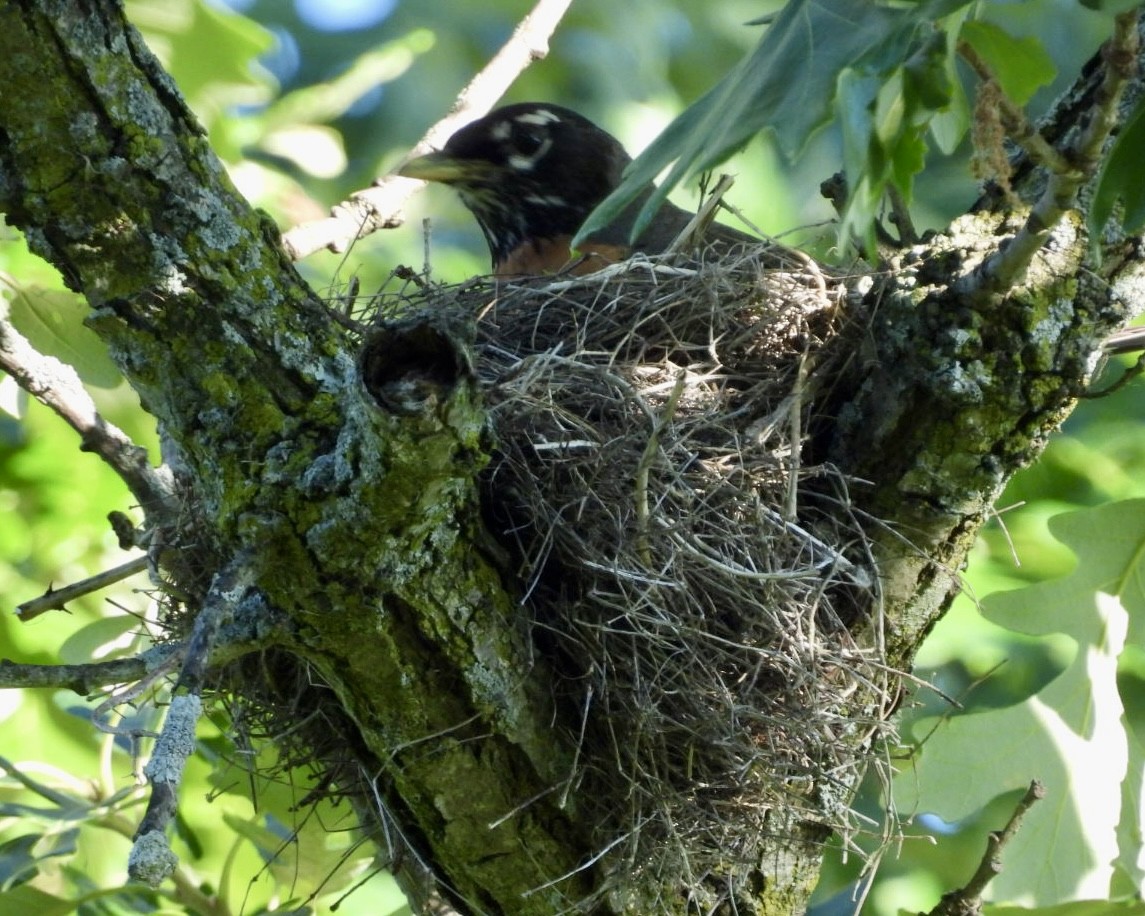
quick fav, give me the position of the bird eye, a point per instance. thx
(528, 141)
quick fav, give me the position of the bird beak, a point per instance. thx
(440, 166)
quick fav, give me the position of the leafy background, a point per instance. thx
(306, 102)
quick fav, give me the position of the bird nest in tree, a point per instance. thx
(702, 590)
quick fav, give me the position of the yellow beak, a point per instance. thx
(440, 166)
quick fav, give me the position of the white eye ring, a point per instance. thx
(524, 162)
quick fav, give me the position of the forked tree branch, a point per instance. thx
(380, 206)
(1068, 172)
(57, 386)
(967, 901)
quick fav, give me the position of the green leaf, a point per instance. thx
(1021, 65)
(1071, 735)
(1120, 179)
(107, 637)
(52, 320)
(210, 52)
(25, 899)
(18, 862)
(322, 102)
(1080, 908)
(788, 85)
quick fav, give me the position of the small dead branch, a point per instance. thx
(81, 679)
(380, 206)
(58, 387)
(56, 599)
(967, 901)
(151, 859)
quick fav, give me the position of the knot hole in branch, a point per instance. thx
(412, 366)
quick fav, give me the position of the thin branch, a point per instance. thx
(968, 900)
(151, 859)
(1127, 340)
(900, 216)
(57, 386)
(1006, 267)
(56, 599)
(1127, 376)
(1018, 126)
(81, 679)
(380, 206)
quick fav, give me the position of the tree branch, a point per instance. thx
(80, 679)
(1002, 270)
(967, 901)
(57, 386)
(151, 859)
(380, 206)
(56, 599)
(1018, 126)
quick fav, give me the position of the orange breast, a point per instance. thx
(551, 256)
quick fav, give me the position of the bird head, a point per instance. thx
(528, 172)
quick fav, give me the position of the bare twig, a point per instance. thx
(1018, 126)
(967, 901)
(380, 206)
(1006, 267)
(1127, 340)
(1127, 376)
(900, 216)
(151, 859)
(56, 385)
(698, 224)
(646, 459)
(81, 679)
(55, 599)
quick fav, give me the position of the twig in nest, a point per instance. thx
(380, 206)
(698, 224)
(646, 460)
(130, 694)
(967, 901)
(55, 599)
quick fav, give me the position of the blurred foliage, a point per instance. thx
(302, 116)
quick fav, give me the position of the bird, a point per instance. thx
(531, 173)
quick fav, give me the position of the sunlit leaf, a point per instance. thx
(52, 320)
(25, 899)
(1070, 735)
(787, 85)
(1120, 179)
(100, 639)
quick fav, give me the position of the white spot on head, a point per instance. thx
(539, 118)
(501, 130)
(546, 200)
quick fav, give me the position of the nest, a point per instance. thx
(703, 591)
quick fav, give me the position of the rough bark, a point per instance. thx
(346, 492)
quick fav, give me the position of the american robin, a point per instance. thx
(532, 173)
